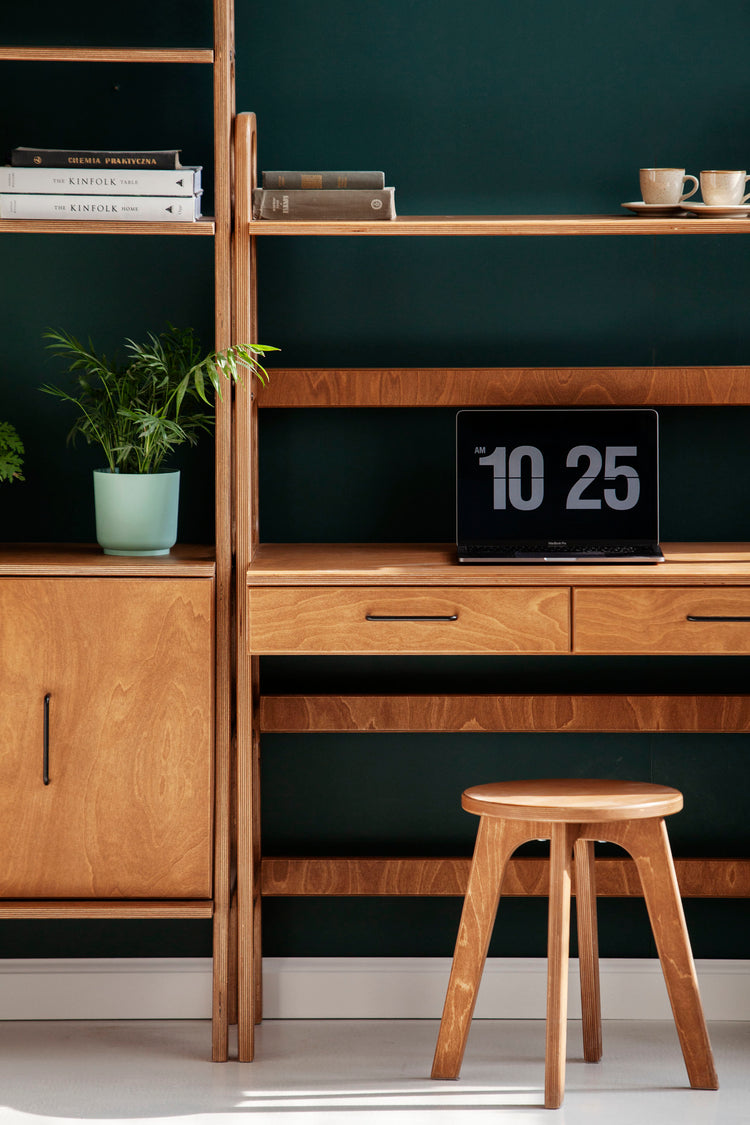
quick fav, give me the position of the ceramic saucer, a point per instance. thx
(655, 209)
(718, 211)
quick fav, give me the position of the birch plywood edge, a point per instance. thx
(500, 225)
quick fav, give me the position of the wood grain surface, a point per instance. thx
(128, 668)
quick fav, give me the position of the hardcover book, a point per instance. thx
(328, 180)
(25, 157)
(114, 181)
(307, 203)
(115, 208)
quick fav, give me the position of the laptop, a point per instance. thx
(567, 485)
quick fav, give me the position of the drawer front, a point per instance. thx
(405, 620)
(701, 619)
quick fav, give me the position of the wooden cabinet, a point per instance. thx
(106, 738)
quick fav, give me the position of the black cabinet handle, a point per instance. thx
(45, 752)
(695, 617)
(409, 617)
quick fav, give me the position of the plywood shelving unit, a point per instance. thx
(292, 581)
(63, 563)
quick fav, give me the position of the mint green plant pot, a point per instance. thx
(136, 513)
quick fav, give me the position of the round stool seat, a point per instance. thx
(572, 800)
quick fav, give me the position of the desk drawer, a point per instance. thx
(408, 620)
(701, 619)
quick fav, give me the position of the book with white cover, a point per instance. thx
(100, 181)
(114, 208)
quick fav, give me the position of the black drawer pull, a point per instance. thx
(694, 617)
(45, 751)
(408, 617)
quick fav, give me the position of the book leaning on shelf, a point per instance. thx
(324, 203)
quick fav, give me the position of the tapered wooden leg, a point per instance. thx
(558, 949)
(496, 841)
(647, 842)
(588, 950)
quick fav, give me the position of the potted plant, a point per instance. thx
(138, 410)
(11, 453)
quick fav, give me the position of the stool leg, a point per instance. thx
(588, 950)
(496, 841)
(648, 843)
(558, 949)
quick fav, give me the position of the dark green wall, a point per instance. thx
(497, 106)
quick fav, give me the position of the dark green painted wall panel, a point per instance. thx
(519, 106)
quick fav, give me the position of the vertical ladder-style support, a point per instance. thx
(245, 322)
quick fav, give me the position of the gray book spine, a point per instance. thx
(328, 180)
(306, 203)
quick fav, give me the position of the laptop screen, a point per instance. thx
(568, 474)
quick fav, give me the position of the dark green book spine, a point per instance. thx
(328, 180)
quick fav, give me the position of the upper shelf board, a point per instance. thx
(204, 226)
(108, 54)
(472, 225)
(496, 386)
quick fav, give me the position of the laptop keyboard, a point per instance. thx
(485, 550)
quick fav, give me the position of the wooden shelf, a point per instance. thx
(498, 386)
(108, 908)
(107, 54)
(63, 560)
(473, 225)
(205, 226)
(434, 564)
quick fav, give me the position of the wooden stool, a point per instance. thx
(572, 813)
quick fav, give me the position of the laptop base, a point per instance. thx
(488, 554)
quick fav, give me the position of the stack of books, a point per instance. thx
(323, 195)
(98, 184)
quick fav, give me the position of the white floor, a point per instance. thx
(363, 1071)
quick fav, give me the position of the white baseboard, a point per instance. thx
(345, 988)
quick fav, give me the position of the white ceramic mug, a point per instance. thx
(664, 185)
(723, 189)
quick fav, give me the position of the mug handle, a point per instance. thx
(745, 197)
(695, 187)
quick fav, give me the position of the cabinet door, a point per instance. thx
(123, 669)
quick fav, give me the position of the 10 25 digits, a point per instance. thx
(518, 477)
